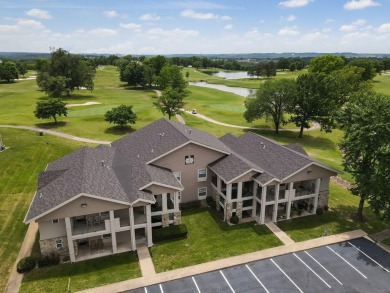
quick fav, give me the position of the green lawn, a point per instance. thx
(19, 167)
(337, 220)
(82, 275)
(210, 239)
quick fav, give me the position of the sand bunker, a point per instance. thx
(85, 104)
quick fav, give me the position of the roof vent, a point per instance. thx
(152, 151)
(103, 163)
(189, 131)
(262, 145)
(137, 155)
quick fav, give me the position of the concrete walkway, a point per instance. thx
(56, 133)
(227, 262)
(145, 261)
(15, 278)
(279, 233)
(378, 237)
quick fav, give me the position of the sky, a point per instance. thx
(150, 27)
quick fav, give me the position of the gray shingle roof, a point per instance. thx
(296, 147)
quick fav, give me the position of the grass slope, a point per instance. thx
(19, 167)
(209, 238)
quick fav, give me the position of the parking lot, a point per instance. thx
(352, 266)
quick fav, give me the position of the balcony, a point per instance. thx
(90, 224)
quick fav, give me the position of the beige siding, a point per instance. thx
(74, 208)
(49, 230)
(189, 173)
(316, 172)
(246, 177)
(157, 189)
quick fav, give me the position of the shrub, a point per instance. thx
(171, 232)
(49, 260)
(26, 264)
(234, 219)
(210, 201)
(190, 205)
(326, 208)
(319, 211)
(66, 258)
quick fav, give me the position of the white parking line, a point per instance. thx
(286, 275)
(193, 279)
(162, 291)
(257, 278)
(227, 282)
(346, 262)
(146, 290)
(312, 270)
(323, 268)
(369, 257)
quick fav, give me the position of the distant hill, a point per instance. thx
(239, 56)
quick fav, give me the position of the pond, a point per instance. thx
(231, 75)
(243, 92)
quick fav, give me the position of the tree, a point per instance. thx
(326, 64)
(170, 102)
(268, 69)
(283, 64)
(187, 74)
(132, 73)
(157, 63)
(368, 65)
(121, 115)
(148, 75)
(293, 66)
(8, 71)
(22, 67)
(315, 100)
(171, 76)
(50, 109)
(348, 80)
(54, 86)
(272, 99)
(366, 150)
(77, 70)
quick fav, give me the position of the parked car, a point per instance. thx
(194, 111)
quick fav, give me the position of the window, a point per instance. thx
(202, 174)
(202, 192)
(55, 221)
(59, 244)
(177, 175)
(189, 159)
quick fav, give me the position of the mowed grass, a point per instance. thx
(82, 275)
(337, 220)
(386, 242)
(209, 238)
(28, 154)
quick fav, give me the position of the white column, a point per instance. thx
(317, 192)
(113, 233)
(290, 195)
(164, 203)
(70, 240)
(229, 192)
(275, 214)
(149, 225)
(132, 230)
(263, 200)
(239, 191)
(254, 205)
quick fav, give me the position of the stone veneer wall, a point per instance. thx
(229, 210)
(239, 209)
(217, 201)
(177, 218)
(165, 220)
(48, 246)
(323, 198)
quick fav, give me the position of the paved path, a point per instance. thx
(15, 278)
(227, 262)
(56, 133)
(145, 261)
(381, 235)
(279, 233)
(314, 126)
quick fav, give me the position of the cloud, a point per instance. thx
(310, 37)
(110, 13)
(228, 27)
(100, 32)
(353, 26)
(294, 3)
(360, 4)
(8, 28)
(289, 18)
(329, 20)
(197, 15)
(114, 49)
(175, 33)
(30, 23)
(289, 31)
(149, 17)
(384, 28)
(132, 26)
(38, 13)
